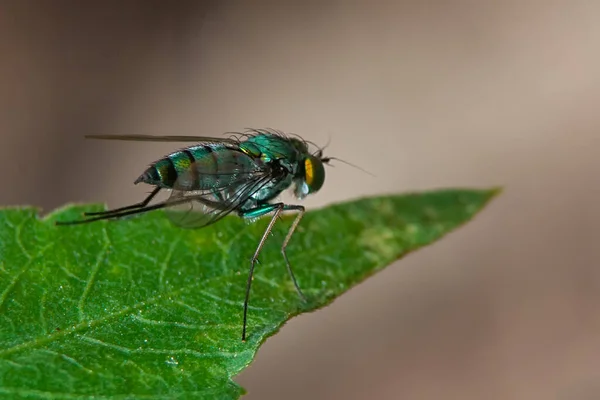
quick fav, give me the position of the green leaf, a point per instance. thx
(139, 308)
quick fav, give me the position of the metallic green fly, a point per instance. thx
(242, 174)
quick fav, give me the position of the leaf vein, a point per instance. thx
(183, 324)
(93, 323)
(168, 352)
(231, 302)
(18, 233)
(165, 264)
(92, 276)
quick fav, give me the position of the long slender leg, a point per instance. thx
(301, 211)
(141, 204)
(130, 212)
(277, 209)
(256, 213)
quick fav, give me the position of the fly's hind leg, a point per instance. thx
(141, 204)
(277, 209)
(130, 211)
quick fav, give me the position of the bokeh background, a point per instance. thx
(422, 94)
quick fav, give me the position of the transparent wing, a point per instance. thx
(199, 208)
(219, 169)
(151, 138)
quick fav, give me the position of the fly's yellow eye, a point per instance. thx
(308, 171)
(314, 173)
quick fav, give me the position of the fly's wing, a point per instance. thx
(214, 187)
(217, 168)
(151, 138)
(196, 209)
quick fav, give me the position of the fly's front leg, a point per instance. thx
(254, 213)
(276, 209)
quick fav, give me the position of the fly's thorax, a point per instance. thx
(289, 156)
(309, 177)
(271, 147)
(301, 146)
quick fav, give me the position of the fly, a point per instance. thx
(219, 176)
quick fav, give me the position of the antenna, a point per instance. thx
(327, 159)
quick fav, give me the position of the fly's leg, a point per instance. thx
(126, 213)
(141, 204)
(277, 209)
(301, 211)
(120, 214)
(257, 212)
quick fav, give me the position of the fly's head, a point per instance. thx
(311, 174)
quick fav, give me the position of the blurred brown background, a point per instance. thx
(424, 95)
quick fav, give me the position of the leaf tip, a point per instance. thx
(496, 191)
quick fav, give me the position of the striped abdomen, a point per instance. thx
(200, 167)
